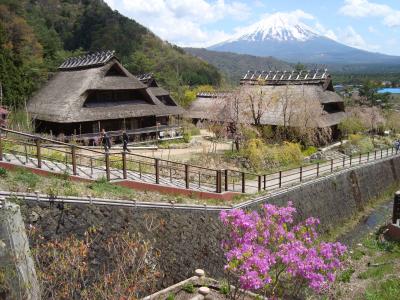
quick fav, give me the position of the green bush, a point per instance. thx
(266, 132)
(187, 137)
(261, 156)
(363, 144)
(188, 288)
(3, 172)
(224, 288)
(170, 297)
(249, 133)
(192, 129)
(351, 125)
(346, 275)
(253, 151)
(309, 150)
(288, 154)
(28, 178)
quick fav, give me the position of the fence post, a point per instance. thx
(265, 182)
(124, 171)
(396, 207)
(351, 157)
(243, 182)
(259, 183)
(332, 165)
(187, 176)
(375, 155)
(359, 161)
(1, 144)
(301, 173)
(381, 153)
(317, 169)
(280, 179)
(157, 170)
(73, 160)
(219, 181)
(107, 157)
(344, 161)
(26, 153)
(368, 156)
(226, 180)
(91, 167)
(38, 153)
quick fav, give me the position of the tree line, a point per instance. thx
(37, 35)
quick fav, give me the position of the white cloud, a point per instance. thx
(365, 8)
(183, 21)
(322, 30)
(349, 36)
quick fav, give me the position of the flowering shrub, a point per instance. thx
(266, 252)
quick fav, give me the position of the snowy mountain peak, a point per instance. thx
(279, 27)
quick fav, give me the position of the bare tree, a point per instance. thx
(302, 117)
(257, 103)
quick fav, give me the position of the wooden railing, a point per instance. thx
(91, 163)
(95, 164)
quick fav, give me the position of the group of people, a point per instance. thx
(105, 140)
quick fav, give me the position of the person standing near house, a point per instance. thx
(125, 141)
(105, 140)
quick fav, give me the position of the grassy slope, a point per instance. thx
(372, 271)
(22, 180)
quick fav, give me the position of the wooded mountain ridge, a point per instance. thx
(37, 35)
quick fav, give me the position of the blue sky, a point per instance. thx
(372, 25)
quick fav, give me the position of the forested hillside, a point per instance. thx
(234, 66)
(37, 35)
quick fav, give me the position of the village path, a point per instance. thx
(200, 144)
(299, 175)
(272, 182)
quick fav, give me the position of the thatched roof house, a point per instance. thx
(286, 96)
(95, 91)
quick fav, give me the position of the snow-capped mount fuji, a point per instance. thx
(278, 27)
(282, 37)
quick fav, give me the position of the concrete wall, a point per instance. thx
(191, 239)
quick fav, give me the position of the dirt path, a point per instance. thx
(198, 145)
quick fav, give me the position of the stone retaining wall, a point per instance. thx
(191, 239)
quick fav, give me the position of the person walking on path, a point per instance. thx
(105, 140)
(125, 141)
(397, 145)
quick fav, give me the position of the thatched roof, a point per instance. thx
(285, 77)
(62, 99)
(300, 97)
(154, 89)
